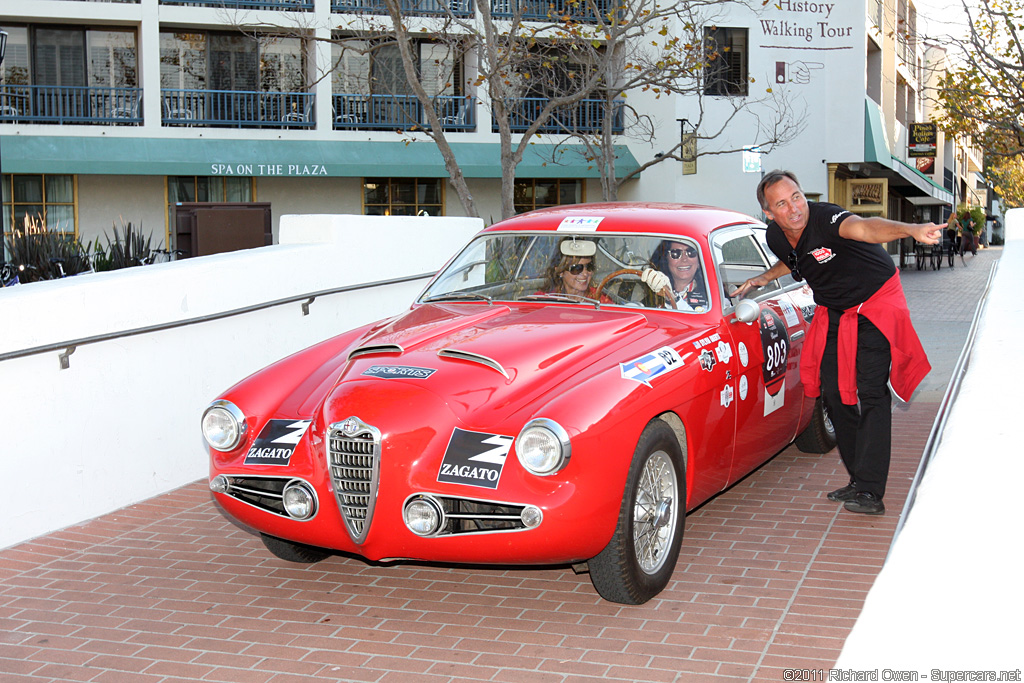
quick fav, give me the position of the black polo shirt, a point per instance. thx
(843, 273)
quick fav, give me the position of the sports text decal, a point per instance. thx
(398, 371)
(276, 442)
(474, 458)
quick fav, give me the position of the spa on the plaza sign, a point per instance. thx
(285, 170)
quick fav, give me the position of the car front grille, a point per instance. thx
(353, 453)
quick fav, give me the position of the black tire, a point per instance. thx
(293, 552)
(820, 435)
(638, 562)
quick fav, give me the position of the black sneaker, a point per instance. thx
(848, 492)
(865, 503)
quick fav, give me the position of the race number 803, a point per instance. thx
(805, 675)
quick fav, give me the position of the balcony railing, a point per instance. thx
(586, 116)
(459, 8)
(289, 5)
(237, 108)
(70, 104)
(400, 112)
(551, 10)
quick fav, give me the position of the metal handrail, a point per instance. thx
(401, 112)
(939, 426)
(437, 8)
(70, 345)
(70, 104)
(237, 108)
(585, 116)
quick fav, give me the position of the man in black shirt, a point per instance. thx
(863, 339)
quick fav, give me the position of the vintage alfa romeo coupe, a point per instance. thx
(506, 419)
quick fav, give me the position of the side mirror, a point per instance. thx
(747, 311)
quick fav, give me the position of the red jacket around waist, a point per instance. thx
(887, 310)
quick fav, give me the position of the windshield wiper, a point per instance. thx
(457, 296)
(556, 296)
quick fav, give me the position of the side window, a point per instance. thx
(786, 281)
(738, 258)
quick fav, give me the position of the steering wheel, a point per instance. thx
(665, 293)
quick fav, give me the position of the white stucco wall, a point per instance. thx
(811, 56)
(121, 423)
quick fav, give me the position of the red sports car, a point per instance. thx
(563, 391)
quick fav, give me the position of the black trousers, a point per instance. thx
(863, 431)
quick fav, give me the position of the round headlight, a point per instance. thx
(543, 447)
(299, 500)
(223, 425)
(423, 516)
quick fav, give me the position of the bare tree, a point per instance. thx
(642, 47)
(557, 68)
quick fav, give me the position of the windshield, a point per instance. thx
(602, 269)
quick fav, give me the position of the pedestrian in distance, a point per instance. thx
(861, 339)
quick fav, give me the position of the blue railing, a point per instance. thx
(586, 116)
(292, 5)
(400, 112)
(70, 104)
(459, 8)
(552, 10)
(237, 108)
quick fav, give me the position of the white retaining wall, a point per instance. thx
(121, 423)
(947, 605)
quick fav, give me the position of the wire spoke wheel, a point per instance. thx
(639, 559)
(654, 513)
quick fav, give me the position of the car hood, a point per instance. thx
(495, 357)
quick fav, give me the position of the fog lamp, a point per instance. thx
(423, 516)
(299, 500)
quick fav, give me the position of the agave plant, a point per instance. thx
(44, 255)
(131, 248)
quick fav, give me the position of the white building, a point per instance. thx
(117, 110)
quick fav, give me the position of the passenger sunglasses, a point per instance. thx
(676, 253)
(793, 258)
(577, 268)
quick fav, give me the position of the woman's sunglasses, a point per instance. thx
(793, 258)
(677, 253)
(577, 268)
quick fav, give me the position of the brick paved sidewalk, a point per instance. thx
(771, 576)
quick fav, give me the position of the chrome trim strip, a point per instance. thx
(375, 348)
(473, 358)
(483, 516)
(269, 494)
(799, 334)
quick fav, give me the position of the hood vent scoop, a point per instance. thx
(375, 349)
(473, 358)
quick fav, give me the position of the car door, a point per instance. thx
(767, 394)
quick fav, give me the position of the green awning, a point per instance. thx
(876, 147)
(286, 158)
